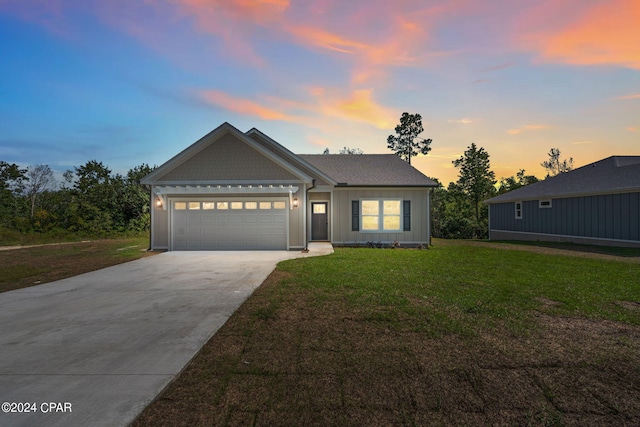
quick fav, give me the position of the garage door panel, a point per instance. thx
(228, 229)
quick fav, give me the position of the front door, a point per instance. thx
(319, 221)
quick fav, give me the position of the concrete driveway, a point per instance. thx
(95, 349)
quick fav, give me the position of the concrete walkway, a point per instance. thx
(95, 349)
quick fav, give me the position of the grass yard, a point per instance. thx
(21, 268)
(462, 334)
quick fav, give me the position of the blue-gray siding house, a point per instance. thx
(596, 204)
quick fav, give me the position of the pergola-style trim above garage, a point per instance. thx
(162, 191)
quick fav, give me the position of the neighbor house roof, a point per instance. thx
(614, 174)
(379, 170)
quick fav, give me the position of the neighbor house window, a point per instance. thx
(381, 215)
(518, 210)
(251, 205)
(265, 205)
(544, 204)
(236, 205)
(194, 206)
(180, 206)
(208, 205)
(223, 205)
(279, 205)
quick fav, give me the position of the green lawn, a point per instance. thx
(461, 334)
(461, 288)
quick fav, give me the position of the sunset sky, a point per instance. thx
(127, 82)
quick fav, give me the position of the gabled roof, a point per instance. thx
(373, 170)
(614, 174)
(210, 138)
(369, 170)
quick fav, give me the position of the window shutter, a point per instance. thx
(406, 215)
(355, 215)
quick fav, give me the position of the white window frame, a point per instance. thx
(381, 215)
(541, 206)
(518, 210)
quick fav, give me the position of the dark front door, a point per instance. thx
(319, 221)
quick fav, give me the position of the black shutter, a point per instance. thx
(355, 215)
(406, 215)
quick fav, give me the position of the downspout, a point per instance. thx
(306, 200)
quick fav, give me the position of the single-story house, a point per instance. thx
(596, 204)
(243, 191)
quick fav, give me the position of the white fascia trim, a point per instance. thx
(235, 182)
(162, 190)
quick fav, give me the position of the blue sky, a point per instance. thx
(131, 82)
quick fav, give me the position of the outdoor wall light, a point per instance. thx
(158, 202)
(295, 203)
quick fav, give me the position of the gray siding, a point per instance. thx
(608, 216)
(296, 221)
(341, 216)
(228, 158)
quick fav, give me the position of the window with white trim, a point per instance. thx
(544, 204)
(518, 210)
(381, 215)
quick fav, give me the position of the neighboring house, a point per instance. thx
(244, 191)
(596, 204)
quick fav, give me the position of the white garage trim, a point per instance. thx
(228, 223)
(161, 191)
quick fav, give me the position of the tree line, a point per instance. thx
(89, 200)
(458, 211)
(92, 200)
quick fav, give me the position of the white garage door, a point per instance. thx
(215, 224)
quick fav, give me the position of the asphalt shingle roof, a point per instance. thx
(368, 170)
(613, 174)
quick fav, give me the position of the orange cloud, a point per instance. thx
(361, 107)
(526, 128)
(243, 106)
(606, 34)
(635, 96)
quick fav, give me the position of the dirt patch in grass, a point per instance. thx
(284, 358)
(32, 266)
(582, 251)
